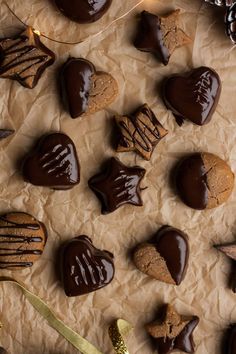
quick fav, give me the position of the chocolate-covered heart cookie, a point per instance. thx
(83, 11)
(53, 163)
(164, 257)
(84, 90)
(85, 268)
(193, 96)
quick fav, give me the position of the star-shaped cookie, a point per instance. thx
(24, 58)
(160, 35)
(117, 185)
(140, 132)
(174, 332)
(229, 249)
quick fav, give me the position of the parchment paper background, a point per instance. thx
(132, 295)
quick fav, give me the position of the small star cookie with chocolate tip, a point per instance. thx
(160, 36)
(173, 332)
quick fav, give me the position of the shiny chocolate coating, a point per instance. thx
(83, 11)
(172, 245)
(231, 343)
(75, 80)
(191, 182)
(53, 163)
(85, 268)
(183, 342)
(117, 185)
(2, 351)
(193, 96)
(150, 37)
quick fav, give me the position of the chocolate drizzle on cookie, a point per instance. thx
(24, 58)
(85, 268)
(193, 96)
(53, 163)
(140, 131)
(117, 185)
(20, 240)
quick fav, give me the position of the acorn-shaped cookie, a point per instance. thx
(165, 256)
(204, 181)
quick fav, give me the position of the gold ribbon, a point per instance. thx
(117, 330)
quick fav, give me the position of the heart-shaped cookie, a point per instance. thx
(53, 163)
(193, 96)
(84, 267)
(83, 11)
(84, 90)
(165, 257)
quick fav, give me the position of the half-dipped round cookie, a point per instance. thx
(22, 240)
(83, 11)
(84, 90)
(165, 256)
(53, 163)
(84, 267)
(193, 96)
(203, 181)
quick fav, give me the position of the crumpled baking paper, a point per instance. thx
(132, 295)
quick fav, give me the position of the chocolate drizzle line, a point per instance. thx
(138, 136)
(24, 58)
(19, 239)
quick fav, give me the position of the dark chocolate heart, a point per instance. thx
(165, 256)
(172, 244)
(84, 267)
(53, 163)
(84, 90)
(193, 96)
(83, 11)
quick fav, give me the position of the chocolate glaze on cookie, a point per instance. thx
(150, 37)
(83, 11)
(193, 96)
(191, 182)
(75, 82)
(184, 341)
(84, 267)
(2, 351)
(117, 185)
(53, 163)
(231, 340)
(172, 245)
